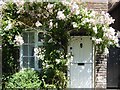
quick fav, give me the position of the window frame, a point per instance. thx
(36, 44)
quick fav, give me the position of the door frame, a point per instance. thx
(93, 66)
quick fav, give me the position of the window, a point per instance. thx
(31, 40)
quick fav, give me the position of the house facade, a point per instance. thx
(94, 64)
(87, 68)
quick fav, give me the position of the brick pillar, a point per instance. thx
(100, 70)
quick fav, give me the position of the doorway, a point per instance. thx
(81, 67)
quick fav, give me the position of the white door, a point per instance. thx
(81, 65)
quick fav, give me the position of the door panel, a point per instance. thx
(113, 68)
(81, 67)
(81, 76)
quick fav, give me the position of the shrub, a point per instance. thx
(24, 79)
(55, 79)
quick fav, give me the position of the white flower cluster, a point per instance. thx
(60, 15)
(105, 18)
(57, 61)
(96, 18)
(51, 24)
(95, 29)
(93, 20)
(74, 24)
(106, 51)
(109, 33)
(39, 53)
(50, 7)
(18, 40)
(74, 8)
(38, 24)
(9, 26)
(65, 2)
(96, 22)
(97, 41)
(19, 2)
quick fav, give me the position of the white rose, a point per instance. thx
(77, 12)
(106, 51)
(9, 26)
(50, 24)
(116, 40)
(74, 7)
(19, 2)
(49, 6)
(36, 51)
(56, 25)
(74, 24)
(104, 29)
(57, 61)
(60, 15)
(95, 29)
(112, 31)
(18, 40)
(93, 14)
(38, 24)
(65, 2)
(98, 41)
(92, 21)
(86, 20)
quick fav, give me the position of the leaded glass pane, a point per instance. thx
(25, 62)
(25, 50)
(32, 61)
(31, 37)
(25, 37)
(31, 50)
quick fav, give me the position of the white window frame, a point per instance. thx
(36, 45)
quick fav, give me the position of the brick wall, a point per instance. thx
(100, 70)
(96, 6)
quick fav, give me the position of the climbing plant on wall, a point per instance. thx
(57, 20)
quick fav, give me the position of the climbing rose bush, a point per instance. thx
(96, 24)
